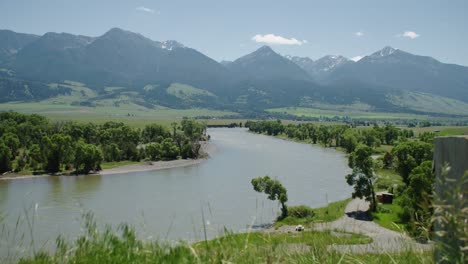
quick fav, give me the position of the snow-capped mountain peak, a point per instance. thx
(386, 51)
(330, 62)
(171, 44)
(299, 60)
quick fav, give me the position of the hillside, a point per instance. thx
(167, 73)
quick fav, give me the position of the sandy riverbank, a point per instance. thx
(207, 149)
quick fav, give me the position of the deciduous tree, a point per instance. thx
(410, 154)
(274, 189)
(363, 175)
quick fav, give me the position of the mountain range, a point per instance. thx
(391, 80)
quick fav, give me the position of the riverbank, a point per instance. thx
(207, 149)
(326, 243)
(354, 220)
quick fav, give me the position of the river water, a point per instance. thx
(170, 204)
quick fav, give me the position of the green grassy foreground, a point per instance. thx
(387, 217)
(123, 246)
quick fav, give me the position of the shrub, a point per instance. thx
(301, 211)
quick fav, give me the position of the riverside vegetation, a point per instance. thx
(406, 155)
(424, 214)
(385, 148)
(32, 144)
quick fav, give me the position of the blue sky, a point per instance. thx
(225, 30)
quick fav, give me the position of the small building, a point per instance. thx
(385, 197)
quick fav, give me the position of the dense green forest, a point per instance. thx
(406, 155)
(31, 142)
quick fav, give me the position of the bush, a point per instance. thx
(301, 211)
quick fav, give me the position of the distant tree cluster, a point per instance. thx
(32, 142)
(333, 135)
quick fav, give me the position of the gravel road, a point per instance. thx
(384, 240)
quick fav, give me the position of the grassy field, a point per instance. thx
(130, 113)
(115, 164)
(123, 246)
(387, 178)
(187, 92)
(443, 130)
(387, 217)
(315, 112)
(275, 247)
(430, 103)
(328, 213)
(116, 104)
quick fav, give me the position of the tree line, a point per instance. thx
(32, 142)
(410, 157)
(344, 136)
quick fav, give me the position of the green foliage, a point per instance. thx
(324, 135)
(192, 129)
(388, 180)
(122, 245)
(154, 151)
(388, 216)
(413, 205)
(329, 213)
(115, 164)
(169, 150)
(274, 189)
(111, 152)
(5, 158)
(112, 246)
(59, 151)
(450, 218)
(301, 211)
(372, 137)
(272, 128)
(12, 142)
(350, 140)
(387, 160)
(154, 133)
(363, 175)
(390, 134)
(190, 150)
(427, 137)
(31, 142)
(87, 157)
(410, 154)
(343, 136)
(36, 156)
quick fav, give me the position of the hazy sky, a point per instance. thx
(225, 30)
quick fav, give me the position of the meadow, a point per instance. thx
(352, 113)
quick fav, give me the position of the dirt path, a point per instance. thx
(384, 240)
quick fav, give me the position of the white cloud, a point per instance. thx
(359, 34)
(409, 34)
(356, 58)
(274, 39)
(145, 9)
